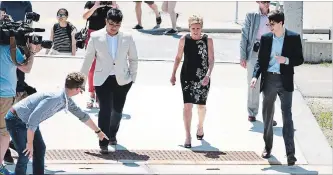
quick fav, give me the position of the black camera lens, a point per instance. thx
(47, 44)
(32, 16)
(80, 44)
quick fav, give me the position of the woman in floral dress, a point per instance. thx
(195, 74)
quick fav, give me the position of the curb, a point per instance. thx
(308, 132)
(140, 59)
(238, 30)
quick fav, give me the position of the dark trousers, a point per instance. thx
(273, 87)
(112, 99)
(18, 131)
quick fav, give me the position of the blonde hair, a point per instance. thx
(195, 19)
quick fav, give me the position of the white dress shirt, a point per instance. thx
(112, 47)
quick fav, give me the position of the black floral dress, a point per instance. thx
(194, 70)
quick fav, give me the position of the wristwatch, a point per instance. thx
(98, 131)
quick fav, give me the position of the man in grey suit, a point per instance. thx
(253, 28)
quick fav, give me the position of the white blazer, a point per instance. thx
(125, 65)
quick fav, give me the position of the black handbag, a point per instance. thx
(30, 90)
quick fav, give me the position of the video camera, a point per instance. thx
(105, 3)
(21, 31)
(81, 37)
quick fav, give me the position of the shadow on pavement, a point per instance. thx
(121, 154)
(258, 127)
(96, 110)
(274, 161)
(126, 153)
(46, 171)
(276, 166)
(290, 170)
(207, 149)
(159, 31)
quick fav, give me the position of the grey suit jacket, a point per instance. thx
(249, 34)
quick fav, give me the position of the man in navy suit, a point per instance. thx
(280, 50)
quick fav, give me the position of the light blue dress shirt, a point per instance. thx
(40, 106)
(277, 45)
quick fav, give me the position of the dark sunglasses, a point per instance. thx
(113, 24)
(265, 2)
(61, 15)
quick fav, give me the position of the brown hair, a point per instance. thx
(74, 80)
(195, 19)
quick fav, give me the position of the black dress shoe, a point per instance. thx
(113, 142)
(266, 154)
(274, 123)
(291, 160)
(104, 150)
(252, 118)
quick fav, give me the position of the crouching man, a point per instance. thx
(23, 120)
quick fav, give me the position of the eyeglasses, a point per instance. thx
(61, 15)
(271, 24)
(265, 2)
(113, 24)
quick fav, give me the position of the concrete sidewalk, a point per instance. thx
(218, 16)
(152, 134)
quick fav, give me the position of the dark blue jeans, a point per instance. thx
(18, 131)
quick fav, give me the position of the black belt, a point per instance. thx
(274, 73)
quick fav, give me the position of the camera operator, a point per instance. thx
(11, 8)
(95, 13)
(8, 82)
(16, 11)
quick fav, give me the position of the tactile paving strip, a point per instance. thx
(154, 156)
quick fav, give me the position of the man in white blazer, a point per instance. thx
(115, 71)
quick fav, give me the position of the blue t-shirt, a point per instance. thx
(8, 77)
(17, 9)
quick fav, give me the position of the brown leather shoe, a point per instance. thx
(252, 118)
(266, 154)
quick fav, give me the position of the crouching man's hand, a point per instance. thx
(101, 135)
